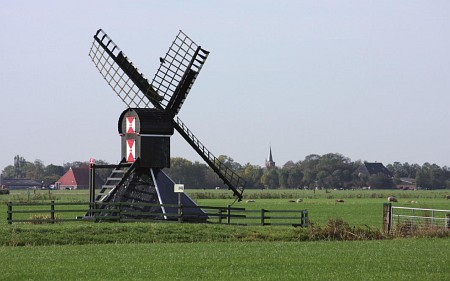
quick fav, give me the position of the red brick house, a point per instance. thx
(76, 178)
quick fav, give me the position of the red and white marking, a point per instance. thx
(131, 150)
(131, 125)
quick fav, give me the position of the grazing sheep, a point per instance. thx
(339, 200)
(447, 197)
(250, 201)
(299, 200)
(392, 199)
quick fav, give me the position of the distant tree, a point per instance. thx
(283, 176)
(423, 179)
(380, 181)
(270, 178)
(53, 173)
(54, 170)
(75, 164)
(9, 172)
(228, 161)
(252, 175)
(295, 178)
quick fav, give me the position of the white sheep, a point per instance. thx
(392, 199)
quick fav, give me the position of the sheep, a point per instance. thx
(339, 200)
(299, 200)
(250, 201)
(392, 199)
(447, 197)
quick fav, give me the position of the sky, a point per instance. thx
(366, 79)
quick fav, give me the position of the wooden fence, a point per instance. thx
(55, 212)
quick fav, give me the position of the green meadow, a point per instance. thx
(405, 259)
(172, 251)
(360, 207)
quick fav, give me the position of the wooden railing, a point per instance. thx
(55, 212)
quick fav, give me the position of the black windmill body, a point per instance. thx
(146, 125)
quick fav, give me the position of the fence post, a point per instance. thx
(9, 212)
(432, 217)
(387, 217)
(220, 216)
(52, 211)
(448, 221)
(228, 214)
(120, 212)
(180, 213)
(95, 214)
(305, 218)
(262, 216)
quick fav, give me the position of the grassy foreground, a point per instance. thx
(171, 251)
(405, 259)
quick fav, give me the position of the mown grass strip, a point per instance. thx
(405, 259)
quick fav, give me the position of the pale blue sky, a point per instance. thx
(368, 79)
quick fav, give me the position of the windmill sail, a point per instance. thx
(178, 71)
(122, 76)
(229, 177)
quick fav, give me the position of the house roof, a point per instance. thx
(20, 183)
(75, 176)
(373, 169)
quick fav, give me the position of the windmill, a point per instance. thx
(146, 125)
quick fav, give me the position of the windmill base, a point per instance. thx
(152, 186)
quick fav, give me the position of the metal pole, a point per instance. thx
(180, 211)
(432, 217)
(91, 186)
(448, 221)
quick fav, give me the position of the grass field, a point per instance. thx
(158, 251)
(360, 207)
(406, 259)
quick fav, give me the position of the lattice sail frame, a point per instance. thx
(183, 55)
(117, 79)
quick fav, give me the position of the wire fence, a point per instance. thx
(414, 218)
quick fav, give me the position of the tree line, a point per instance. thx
(328, 171)
(38, 171)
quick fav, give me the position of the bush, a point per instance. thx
(4, 191)
(337, 229)
(41, 219)
(408, 229)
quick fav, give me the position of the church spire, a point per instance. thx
(269, 161)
